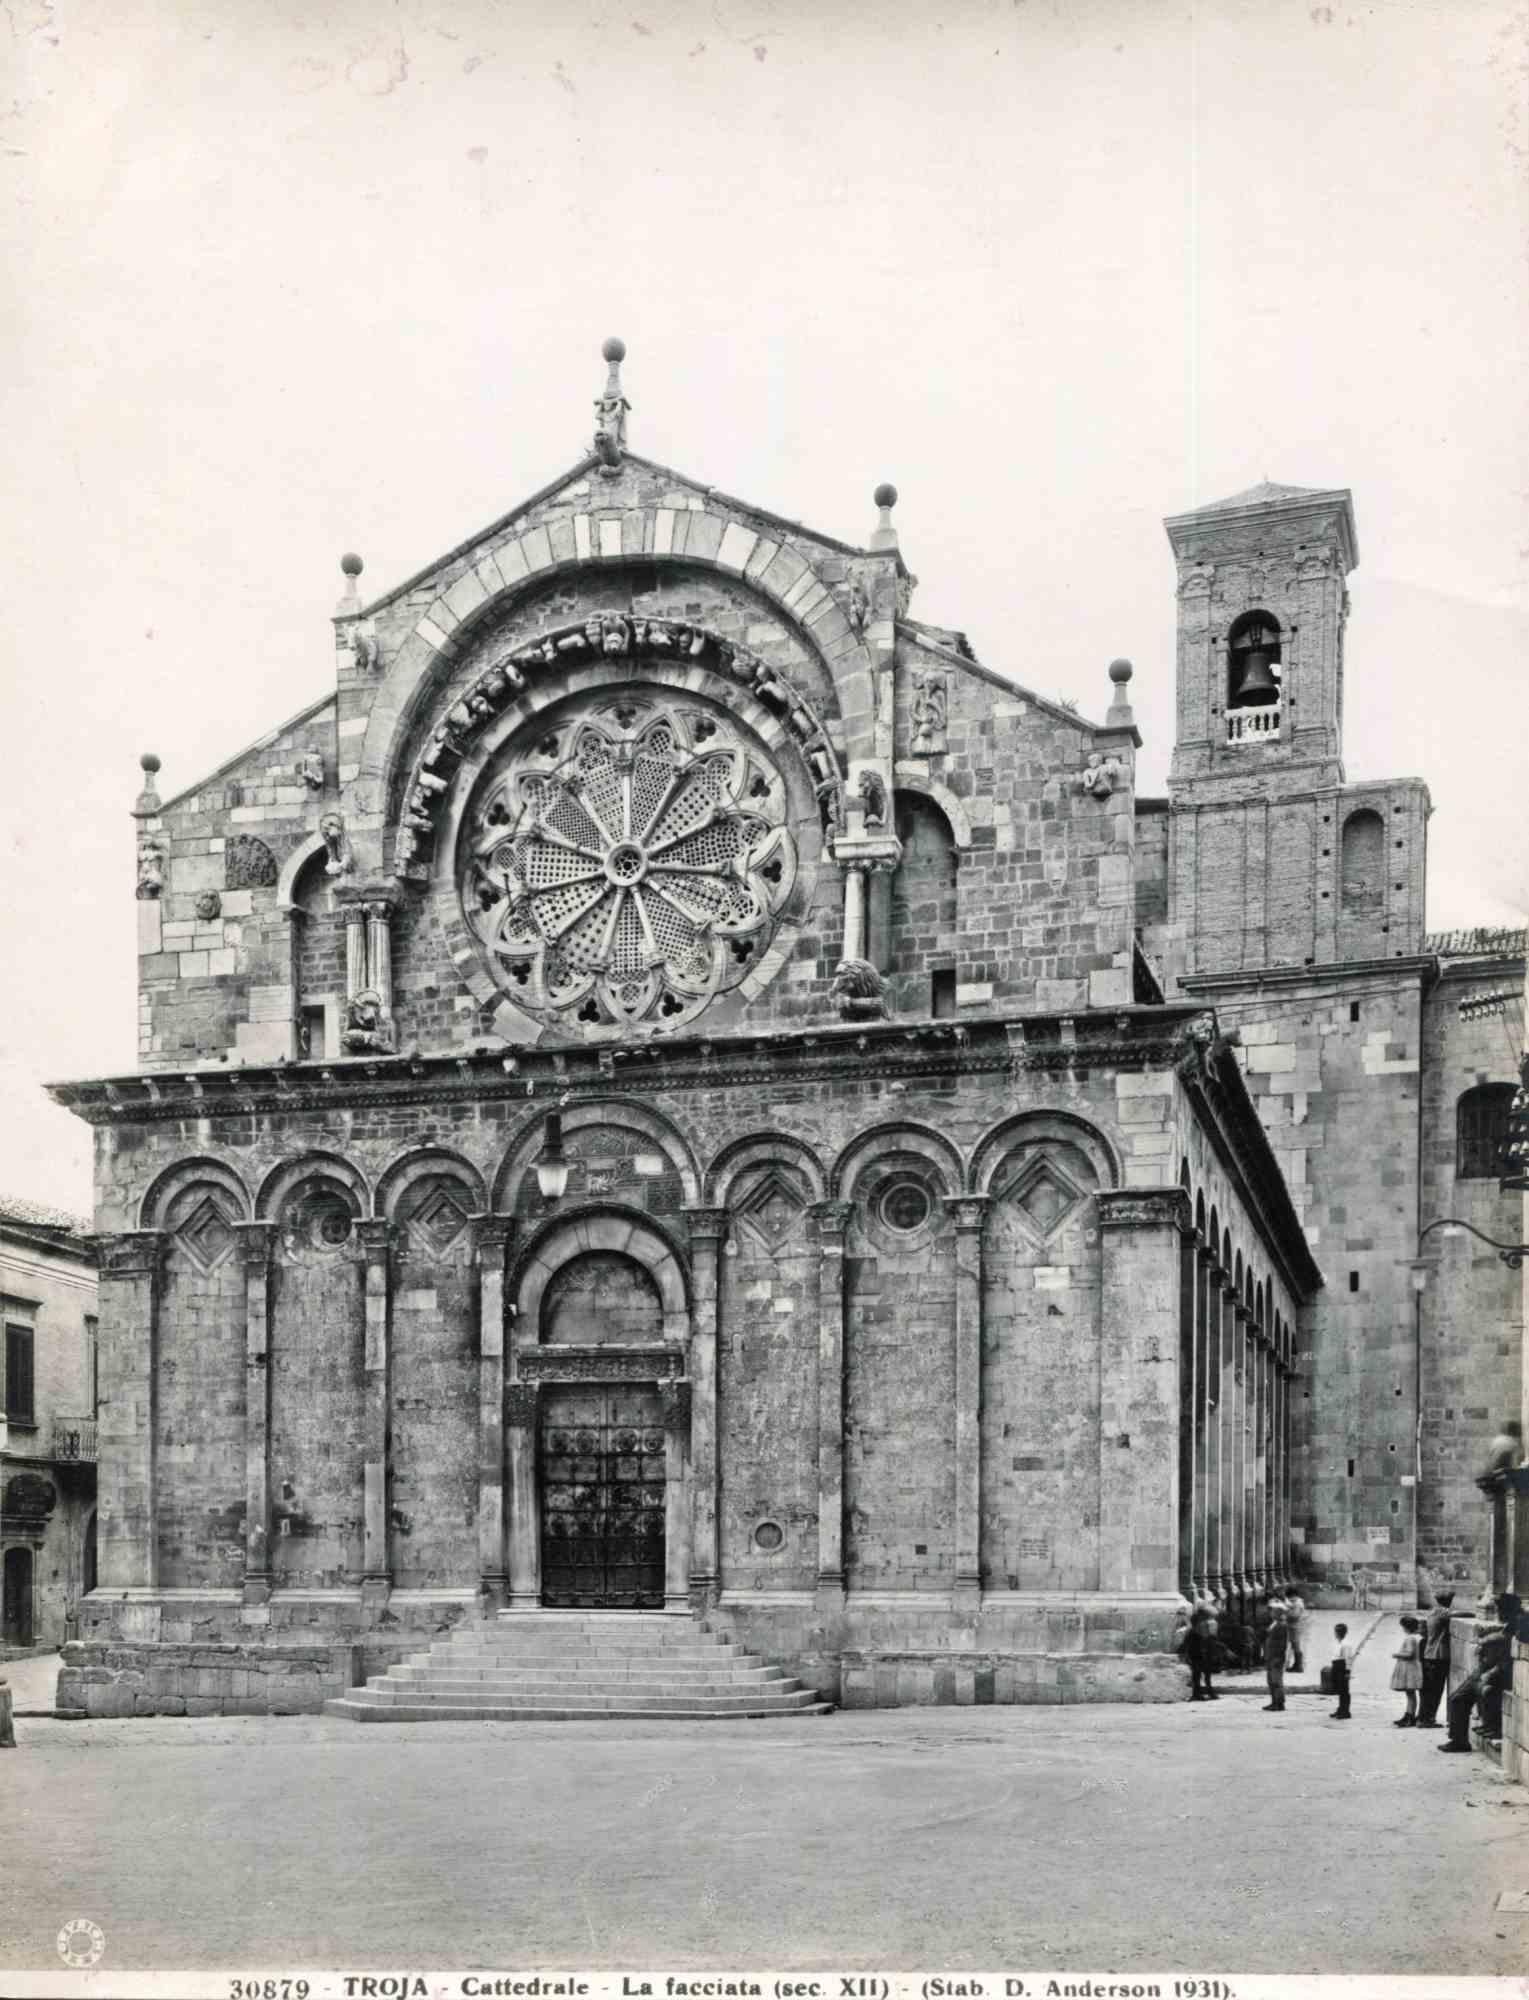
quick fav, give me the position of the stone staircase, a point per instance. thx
(565, 1666)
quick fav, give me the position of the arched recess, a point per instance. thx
(921, 917)
(895, 1135)
(767, 1332)
(900, 1299)
(622, 1114)
(1029, 1128)
(430, 1195)
(318, 954)
(199, 1373)
(740, 1155)
(215, 1177)
(909, 778)
(316, 1367)
(292, 870)
(1041, 1317)
(273, 1203)
(453, 634)
(619, 1231)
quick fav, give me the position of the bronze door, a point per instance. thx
(602, 1496)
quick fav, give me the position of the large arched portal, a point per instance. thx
(599, 1420)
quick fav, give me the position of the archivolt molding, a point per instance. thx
(895, 1137)
(284, 1180)
(623, 1231)
(1030, 1128)
(758, 1149)
(605, 638)
(913, 777)
(203, 1170)
(621, 1111)
(292, 868)
(428, 1163)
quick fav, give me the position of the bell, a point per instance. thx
(1256, 685)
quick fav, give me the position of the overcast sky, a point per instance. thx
(285, 280)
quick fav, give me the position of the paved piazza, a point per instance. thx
(1226, 1839)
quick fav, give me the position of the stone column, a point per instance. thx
(1190, 1558)
(1205, 1263)
(1214, 1298)
(354, 918)
(256, 1240)
(708, 1232)
(1282, 1493)
(854, 909)
(969, 1212)
(676, 1401)
(375, 1236)
(491, 1236)
(1139, 1388)
(832, 1220)
(379, 952)
(1227, 1413)
(1239, 1460)
(520, 1403)
(127, 1549)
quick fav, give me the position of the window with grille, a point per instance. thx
(19, 1407)
(1481, 1129)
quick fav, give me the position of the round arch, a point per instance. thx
(1029, 1126)
(626, 1232)
(636, 1117)
(424, 1163)
(284, 1178)
(911, 1137)
(291, 871)
(202, 1170)
(759, 1149)
(908, 777)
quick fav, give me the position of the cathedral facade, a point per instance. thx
(674, 1086)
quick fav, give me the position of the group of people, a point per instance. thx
(1421, 1673)
(1212, 1637)
(1217, 1634)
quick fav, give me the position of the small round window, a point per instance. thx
(768, 1537)
(904, 1205)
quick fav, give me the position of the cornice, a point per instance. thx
(1131, 1038)
(1332, 973)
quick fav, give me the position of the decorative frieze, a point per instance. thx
(599, 1364)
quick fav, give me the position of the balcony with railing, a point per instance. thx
(73, 1441)
(1254, 725)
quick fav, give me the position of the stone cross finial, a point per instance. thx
(611, 409)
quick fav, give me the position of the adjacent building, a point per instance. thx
(47, 1424)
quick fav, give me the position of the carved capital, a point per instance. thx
(832, 1216)
(707, 1225)
(676, 1401)
(520, 1399)
(375, 1235)
(352, 912)
(967, 1211)
(135, 1253)
(492, 1236)
(1142, 1208)
(255, 1240)
(1209, 1257)
(378, 908)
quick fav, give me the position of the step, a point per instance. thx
(577, 1702)
(632, 1642)
(511, 1684)
(355, 1711)
(618, 1670)
(546, 1656)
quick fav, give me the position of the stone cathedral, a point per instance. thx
(676, 1088)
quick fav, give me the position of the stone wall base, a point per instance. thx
(899, 1680)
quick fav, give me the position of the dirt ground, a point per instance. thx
(1212, 1837)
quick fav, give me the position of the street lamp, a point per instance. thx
(552, 1162)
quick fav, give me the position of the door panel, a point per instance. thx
(602, 1496)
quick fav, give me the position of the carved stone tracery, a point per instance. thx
(630, 865)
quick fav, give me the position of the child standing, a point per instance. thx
(1343, 1674)
(1407, 1674)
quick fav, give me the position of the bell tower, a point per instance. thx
(1262, 604)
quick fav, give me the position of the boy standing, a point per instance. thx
(1276, 1643)
(1343, 1674)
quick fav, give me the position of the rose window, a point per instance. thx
(629, 865)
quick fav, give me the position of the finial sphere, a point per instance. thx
(351, 565)
(614, 349)
(1121, 670)
(148, 762)
(885, 495)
